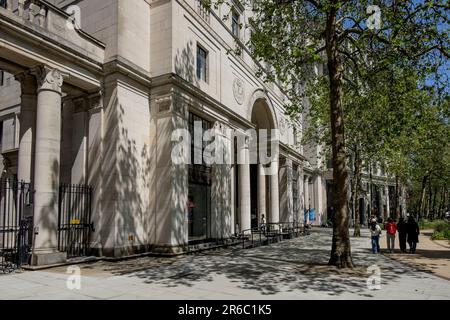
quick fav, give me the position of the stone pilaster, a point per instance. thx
(171, 180)
(27, 119)
(221, 220)
(80, 122)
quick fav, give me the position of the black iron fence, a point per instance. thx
(270, 233)
(16, 219)
(74, 219)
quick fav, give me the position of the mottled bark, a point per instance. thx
(340, 251)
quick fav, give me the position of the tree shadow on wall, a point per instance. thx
(48, 223)
(185, 63)
(132, 183)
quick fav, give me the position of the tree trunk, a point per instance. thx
(434, 202)
(356, 184)
(340, 251)
(370, 189)
(441, 198)
(443, 206)
(397, 198)
(423, 194)
(429, 199)
(444, 202)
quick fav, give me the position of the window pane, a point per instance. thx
(235, 24)
(201, 64)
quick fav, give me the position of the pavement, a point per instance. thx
(431, 255)
(293, 269)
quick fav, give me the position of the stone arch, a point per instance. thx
(260, 98)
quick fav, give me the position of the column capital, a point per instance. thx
(49, 79)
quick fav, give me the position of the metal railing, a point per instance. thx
(16, 219)
(74, 219)
(271, 233)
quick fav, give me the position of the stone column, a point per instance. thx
(290, 197)
(274, 193)
(27, 120)
(306, 194)
(301, 200)
(244, 188)
(46, 181)
(261, 193)
(233, 199)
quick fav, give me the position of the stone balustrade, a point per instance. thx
(32, 10)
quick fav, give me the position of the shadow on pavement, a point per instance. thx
(299, 264)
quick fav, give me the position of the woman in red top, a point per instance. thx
(391, 230)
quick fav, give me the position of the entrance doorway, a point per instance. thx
(199, 197)
(199, 209)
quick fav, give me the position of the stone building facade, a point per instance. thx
(93, 97)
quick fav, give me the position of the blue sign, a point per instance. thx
(312, 215)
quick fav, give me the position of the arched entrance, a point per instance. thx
(263, 188)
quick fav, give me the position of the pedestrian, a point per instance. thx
(263, 224)
(375, 232)
(412, 231)
(402, 232)
(372, 218)
(391, 230)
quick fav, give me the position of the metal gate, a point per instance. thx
(16, 224)
(74, 219)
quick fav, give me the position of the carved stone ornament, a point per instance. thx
(49, 79)
(239, 90)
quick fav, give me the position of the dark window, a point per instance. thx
(202, 64)
(2, 78)
(199, 173)
(235, 24)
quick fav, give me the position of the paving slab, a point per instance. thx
(293, 269)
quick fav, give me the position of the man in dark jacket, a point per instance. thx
(412, 229)
(401, 228)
